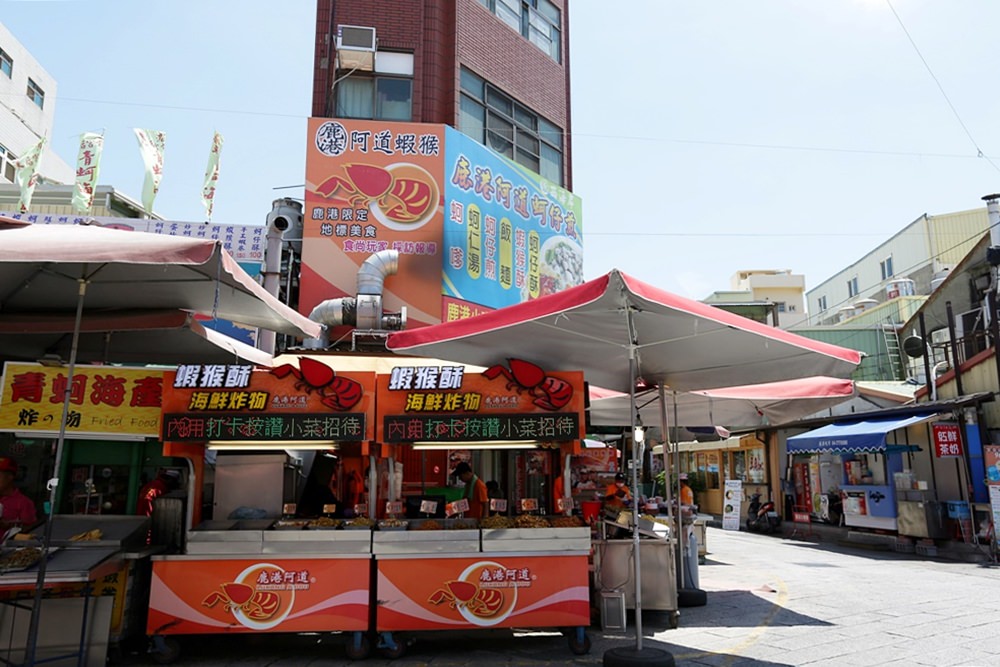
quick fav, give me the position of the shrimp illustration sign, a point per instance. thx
(516, 401)
(488, 592)
(509, 234)
(305, 402)
(283, 595)
(373, 186)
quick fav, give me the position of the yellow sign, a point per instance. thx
(103, 400)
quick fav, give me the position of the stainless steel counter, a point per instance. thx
(424, 542)
(67, 566)
(614, 570)
(536, 539)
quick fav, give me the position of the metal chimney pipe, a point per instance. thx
(993, 213)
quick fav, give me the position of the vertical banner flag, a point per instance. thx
(151, 144)
(26, 174)
(211, 176)
(88, 162)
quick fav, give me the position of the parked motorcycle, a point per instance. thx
(761, 516)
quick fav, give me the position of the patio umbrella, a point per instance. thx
(619, 330)
(124, 337)
(746, 406)
(60, 269)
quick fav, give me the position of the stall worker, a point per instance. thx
(16, 509)
(687, 493)
(165, 481)
(475, 490)
(617, 494)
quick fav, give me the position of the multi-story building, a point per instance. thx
(497, 70)
(777, 294)
(27, 110)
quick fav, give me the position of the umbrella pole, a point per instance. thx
(53, 485)
(680, 528)
(636, 556)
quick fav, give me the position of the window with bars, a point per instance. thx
(538, 21)
(36, 94)
(495, 119)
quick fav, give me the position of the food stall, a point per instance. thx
(255, 566)
(523, 571)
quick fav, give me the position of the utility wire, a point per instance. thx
(937, 82)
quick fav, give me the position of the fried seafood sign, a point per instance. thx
(307, 401)
(193, 596)
(443, 593)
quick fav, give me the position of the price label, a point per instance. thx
(394, 507)
(498, 505)
(428, 506)
(361, 509)
(457, 507)
(563, 504)
(329, 509)
(529, 504)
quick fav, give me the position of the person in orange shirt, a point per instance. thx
(687, 493)
(165, 481)
(617, 493)
(475, 490)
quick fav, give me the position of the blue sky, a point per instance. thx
(709, 136)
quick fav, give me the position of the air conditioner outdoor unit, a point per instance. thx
(356, 38)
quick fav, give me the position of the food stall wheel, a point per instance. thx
(391, 647)
(164, 650)
(579, 642)
(674, 619)
(358, 647)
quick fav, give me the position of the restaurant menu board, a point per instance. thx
(733, 497)
(247, 595)
(305, 402)
(483, 592)
(518, 401)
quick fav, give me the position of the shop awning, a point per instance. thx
(853, 437)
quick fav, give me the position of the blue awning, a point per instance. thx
(853, 437)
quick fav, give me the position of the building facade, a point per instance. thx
(496, 70)
(778, 293)
(27, 111)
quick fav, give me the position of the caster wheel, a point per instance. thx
(166, 651)
(674, 620)
(577, 647)
(394, 653)
(358, 651)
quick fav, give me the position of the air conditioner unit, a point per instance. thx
(356, 38)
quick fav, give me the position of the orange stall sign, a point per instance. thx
(192, 596)
(482, 592)
(310, 402)
(517, 401)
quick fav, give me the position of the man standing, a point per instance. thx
(16, 509)
(475, 490)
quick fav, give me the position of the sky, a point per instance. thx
(708, 137)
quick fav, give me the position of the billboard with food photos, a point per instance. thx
(509, 234)
(372, 186)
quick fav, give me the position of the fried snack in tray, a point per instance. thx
(497, 522)
(20, 558)
(359, 522)
(531, 521)
(88, 536)
(566, 522)
(324, 522)
(429, 524)
(463, 524)
(392, 524)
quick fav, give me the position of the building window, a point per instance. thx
(509, 128)
(375, 98)
(886, 266)
(7, 168)
(538, 21)
(852, 287)
(821, 303)
(780, 306)
(36, 94)
(6, 63)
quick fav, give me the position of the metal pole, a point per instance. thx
(956, 363)
(636, 556)
(53, 484)
(680, 517)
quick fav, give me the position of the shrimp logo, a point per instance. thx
(402, 197)
(484, 594)
(253, 600)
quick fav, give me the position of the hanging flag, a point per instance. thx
(26, 174)
(88, 162)
(211, 176)
(151, 144)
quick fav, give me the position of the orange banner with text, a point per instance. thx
(192, 596)
(483, 591)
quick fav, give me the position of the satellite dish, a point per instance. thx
(914, 346)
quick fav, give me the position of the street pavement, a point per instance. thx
(771, 602)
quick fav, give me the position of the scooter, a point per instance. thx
(762, 517)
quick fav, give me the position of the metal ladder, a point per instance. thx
(890, 336)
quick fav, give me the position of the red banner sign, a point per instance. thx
(482, 592)
(192, 596)
(947, 439)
